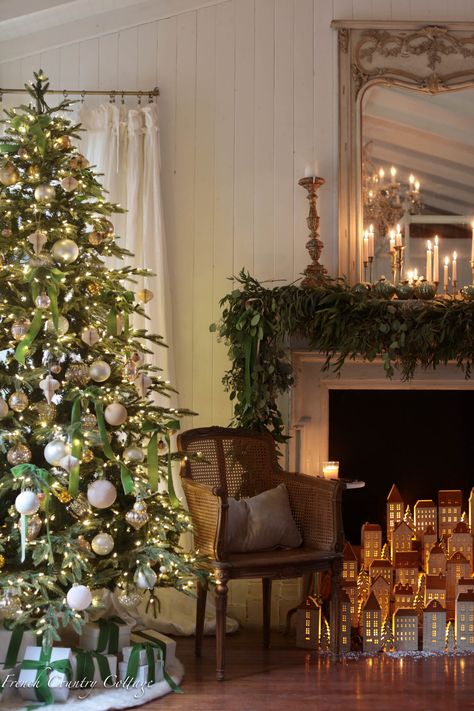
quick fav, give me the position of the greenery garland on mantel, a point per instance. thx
(338, 321)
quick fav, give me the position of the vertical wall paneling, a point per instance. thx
(89, 64)
(244, 131)
(69, 67)
(108, 61)
(283, 140)
(326, 135)
(127, 59)
(223, 192)
(264, 108)
(147, 50)
(50, 63)
(343, 9)
(303, 139)
(202, 301)
(363, 9)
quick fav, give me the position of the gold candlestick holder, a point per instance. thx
(366, 265)
(399, 262)
(393, 255)
(315, 273)
(371, 261)
(455, 287)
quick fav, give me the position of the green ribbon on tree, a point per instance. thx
(43, 667)
(25, 343)
(125, 474)
(152, 461)
(158, 644)
(76, 449)
(112, 321)
(85, 667)
(171, 490)
(109, 635)
(44, 478)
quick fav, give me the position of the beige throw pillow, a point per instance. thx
(263, 522)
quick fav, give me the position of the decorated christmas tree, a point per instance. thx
(85, 441)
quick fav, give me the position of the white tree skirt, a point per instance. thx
(105, 699)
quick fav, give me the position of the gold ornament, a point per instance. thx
(65, 251)
(33, 172)
(23, 154)
(33, 528)
(93, 288)
(87, 456)
(46, 412)
(90, 336)
(78, 374)
(69, 184)
(138, 516)
(95, 238)
(89, 421)
(130, 371)
(107, 227)
(6, 232)
(2, 561)
(9, 174)
(145, 295)
(44, 193)
(79, 162)
(18, 401)
(20, 328)
(56, 368)
(63, 143)
(61, 493)
(83, 543)
(19, 454)
(79, 507)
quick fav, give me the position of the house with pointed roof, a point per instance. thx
(465, 621)
(435, 588)
(382, 567)
(371, 540)
(461, 540)
(434, 627)
(350, 564)
(308, 623)
(350, 588)
(395, 510)
(405, 630)
(426, 514)
(449, 510)
(402, 537)
(464, 584)
(345, 621)
(404, 596)
(372, 625)
(437, 560)
(428, 540)
(381, 589)
(407, 566)
(457, 567)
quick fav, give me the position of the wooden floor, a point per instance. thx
(289, 679)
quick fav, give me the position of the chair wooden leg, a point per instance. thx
(200, 615)
(221, 610)
(335, 609)
(267, 610)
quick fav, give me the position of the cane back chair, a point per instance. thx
(238, 463)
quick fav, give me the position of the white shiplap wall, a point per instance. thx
(248, 98)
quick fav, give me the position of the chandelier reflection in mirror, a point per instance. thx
(386, 199)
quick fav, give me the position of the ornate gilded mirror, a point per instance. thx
(406, 141)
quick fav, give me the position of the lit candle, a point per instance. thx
(410, 277)
(429, 262)
(411, 180)
(415, 275)
(446, 270)
(391, 235)
(398, 237)
(381, 174)
(455, 267)
(417, 186)
(371, 241)
(393, 172)
(308, 172)
(436, 260)
(366, 247)
(330, 470)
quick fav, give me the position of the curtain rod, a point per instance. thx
(90, 92)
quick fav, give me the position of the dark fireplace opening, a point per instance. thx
(421, 440)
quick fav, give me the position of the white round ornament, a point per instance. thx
(132, 454)
(44, 193)
(65, 251)
(101, 494)
(90, 336)
(79, 597)
(3, 408)
(102, 543)
(27, 503)
(63, 325)
(99, 371)
(68, 462)
(145, 579)
(42, 301)
(115, 414)
(55, 451)
(49, 385)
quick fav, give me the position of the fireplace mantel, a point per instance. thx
(310, 398)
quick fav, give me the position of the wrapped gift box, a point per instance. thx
(13, 644)
(166, 644)
(98, 669)
(108, 636)
(45, 674)
(8, 679)
(141, 675)
(142, 655)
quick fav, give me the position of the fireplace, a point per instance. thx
(416, 434)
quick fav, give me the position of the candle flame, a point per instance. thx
(446, 261)
(455, 256)
(436, 240)
(411, 179)
(429, 245)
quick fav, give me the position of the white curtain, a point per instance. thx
(123, 144)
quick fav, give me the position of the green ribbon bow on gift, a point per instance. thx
(151, 643)
(134, 660)
(86, 668)
(109, 635)
(43, 667)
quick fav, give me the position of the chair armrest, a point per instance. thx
(317, 510)
(208, 508)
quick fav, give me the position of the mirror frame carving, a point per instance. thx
(421, 56)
